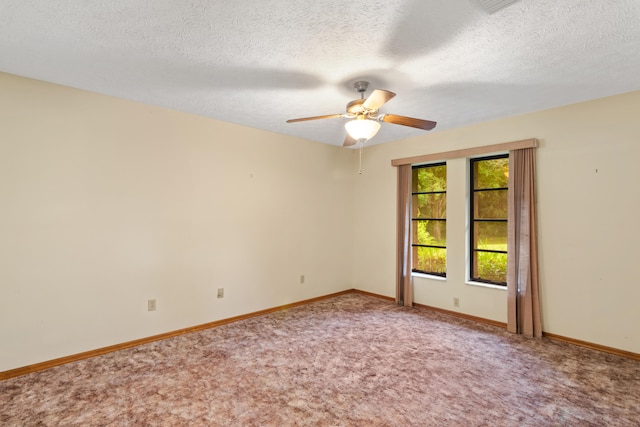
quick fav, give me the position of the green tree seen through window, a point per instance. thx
(489, 203)
(428, 219)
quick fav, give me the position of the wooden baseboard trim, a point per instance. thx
(371, 294)
(592, 346)
(4, 375)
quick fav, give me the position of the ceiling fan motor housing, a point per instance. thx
(355, 107)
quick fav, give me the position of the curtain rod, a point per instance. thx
(466, 152)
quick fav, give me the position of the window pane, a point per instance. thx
(430, 233)
(429, 205)
(430, 260)
(429, 178)
(491, 267)
(490, 235)
(493, 173)
(490, 204)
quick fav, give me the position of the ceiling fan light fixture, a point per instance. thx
(362, 129)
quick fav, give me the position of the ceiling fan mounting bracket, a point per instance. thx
(361, 87)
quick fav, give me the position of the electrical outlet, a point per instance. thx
(220, 292)
(456, 302)
(151, 305)
(302, 279)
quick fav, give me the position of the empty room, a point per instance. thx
(327, 213)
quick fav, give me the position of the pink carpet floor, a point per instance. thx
(351, 360)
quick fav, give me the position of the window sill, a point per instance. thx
(429, 276)
(486, 285)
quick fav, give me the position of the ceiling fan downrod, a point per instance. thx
(361, 87)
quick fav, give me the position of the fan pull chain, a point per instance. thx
(360, 169)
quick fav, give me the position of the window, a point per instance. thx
(488, 230)
(429, 219)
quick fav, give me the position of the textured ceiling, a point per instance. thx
(258, 63)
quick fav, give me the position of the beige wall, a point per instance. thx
(588, 209)
(107, 203)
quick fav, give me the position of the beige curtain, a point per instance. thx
(523, 295)
(404, 290)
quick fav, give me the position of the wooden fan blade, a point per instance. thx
(408, 121)
(304, 119)
(377, 99)
(349, 141)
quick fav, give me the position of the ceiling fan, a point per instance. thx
(364, 123)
